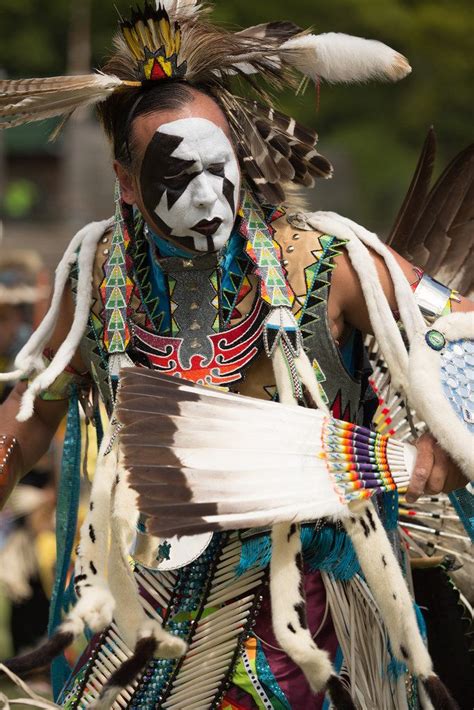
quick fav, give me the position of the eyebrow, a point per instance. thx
(184, 171)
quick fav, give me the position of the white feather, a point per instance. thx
(179, 8)
(25, 100)
(338, 57)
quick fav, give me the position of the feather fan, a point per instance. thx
(202, 460)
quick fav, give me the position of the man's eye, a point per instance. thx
(176, 181)
(216, 169)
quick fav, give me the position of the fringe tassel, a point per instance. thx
(364, 642)
(328, 549)
(256, 551)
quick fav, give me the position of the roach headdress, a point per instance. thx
(175, 41)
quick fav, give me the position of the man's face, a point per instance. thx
(189, 183)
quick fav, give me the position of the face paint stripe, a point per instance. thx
(173, 194)
(228, 189)
(154, 171)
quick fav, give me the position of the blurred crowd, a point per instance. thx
(27, 540)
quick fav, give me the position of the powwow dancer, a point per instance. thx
(200, 275)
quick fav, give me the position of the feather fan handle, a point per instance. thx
(26, 100)
(201, 459)
(338, 57)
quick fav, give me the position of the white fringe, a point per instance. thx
(283, 381)
(364, 642)
(308, 378)
(98, 518)
(30, 356)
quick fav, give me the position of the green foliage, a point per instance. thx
(381, 127)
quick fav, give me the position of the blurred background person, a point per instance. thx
(27, 547)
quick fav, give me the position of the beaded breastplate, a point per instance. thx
(197, 352)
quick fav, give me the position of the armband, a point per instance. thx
(433, 298)
(10, 465)
(62, 386)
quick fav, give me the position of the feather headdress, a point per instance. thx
(175, 41)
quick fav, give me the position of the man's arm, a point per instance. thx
(347, 303)
(434, 470)
(26, 442)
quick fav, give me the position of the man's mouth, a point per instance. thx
(207, 227)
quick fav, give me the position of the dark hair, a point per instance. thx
(119, 111)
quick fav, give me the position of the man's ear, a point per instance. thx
(127, 183)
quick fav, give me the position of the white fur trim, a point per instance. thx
(74, 624)
(95, 608)
(338, 57)
(386, 582)
(29, 357)
(105, 701)
(130, 616)
(11, 376)
(284, 591)
(88, 239)
(428, 398)
(455, 326)
(94, 533)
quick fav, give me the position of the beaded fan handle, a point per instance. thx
(362, 462)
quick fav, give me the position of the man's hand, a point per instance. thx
(434, 471)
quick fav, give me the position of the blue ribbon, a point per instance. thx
(66, 523)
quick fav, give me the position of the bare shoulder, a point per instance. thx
(346, 304)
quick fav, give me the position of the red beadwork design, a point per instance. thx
(232, 349)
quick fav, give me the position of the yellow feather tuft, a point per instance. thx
(130, 37)
(177, 40)
(165, 32)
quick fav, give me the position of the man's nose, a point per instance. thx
(203, 194)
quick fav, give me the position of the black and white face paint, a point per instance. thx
(190, 182)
